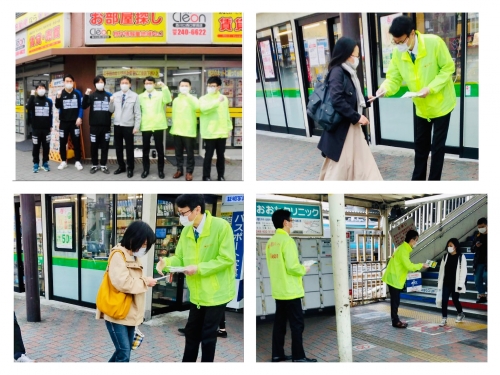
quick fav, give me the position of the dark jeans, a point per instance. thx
(146, 146)
(182, 143)
(201, 327)
(480, 278)
(99, 138)
(67, 128)
(423, 145)
(288, 310)
(122, 337)
(447, 290)
(395, 299)
(124, 133)
(40, 138)
(211, 145)
(18, 340)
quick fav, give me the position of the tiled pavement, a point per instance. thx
(375, 340)
(300, 160)
(24, 171)
(72, 334)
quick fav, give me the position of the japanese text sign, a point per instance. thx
(132, 73)
(21, 44)
(398, 233)
(51, 33)
(189, 28)
(28, 19)
(227, 28)
(64, 228)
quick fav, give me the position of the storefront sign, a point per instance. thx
(231, 200)
(307, 218)
(21, 44)
(132, 73)
(312, 48)
(227, 28)
(386, 47)
(28, 19)
(125, 28)
(189, 28)
(64, 228)
(235, 219)
(266, 55)
(51, 33)
(398, 234)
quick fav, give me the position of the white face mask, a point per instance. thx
(68, 86)
(41, 92)
(451, 249)
(99, 86)
(211, 90)
(124, 87)
(141, 252)
(185, 221)
(184, 90)
(481, 230)
(149, 87)
(355, 63)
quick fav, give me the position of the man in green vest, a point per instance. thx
(206, 252)
(286, 274)
(396, 272)
(153, 122)
(424, 63)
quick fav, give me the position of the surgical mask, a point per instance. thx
(355, 64)
(403, 47)
(184, 90)
(141, 252)
(210, 90)
(149, 87)
(41, 92)
(124, 87)
(481, 230)
(185, 221)
(99, 86)
(68, 86)
(451, 249)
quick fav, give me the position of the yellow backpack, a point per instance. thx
(110, 300)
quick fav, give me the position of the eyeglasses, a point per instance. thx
(396, 43)
(213, 86)
(183, 213)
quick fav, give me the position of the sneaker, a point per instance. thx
(78, 165)
(460, 318)
(35, 168)
(63, 165)
(443, 322)
(24, 358)
(104, 169)
(94, 169)
(46, 167)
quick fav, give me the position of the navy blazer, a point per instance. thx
(345, 102)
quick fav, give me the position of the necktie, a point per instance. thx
(413, 57)
(196, 235)
(149, 96)
(123, 99)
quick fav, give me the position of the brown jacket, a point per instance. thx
(127, 277)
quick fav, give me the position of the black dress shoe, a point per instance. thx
(305, 360)
(144, 174)
(281, 359)
(161, 175)
(206, 179)
(130, 173)
(221, 178)
(119, 170)
(182, 330)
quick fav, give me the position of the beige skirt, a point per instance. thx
(356, 160)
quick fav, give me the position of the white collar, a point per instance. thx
(415, 47)
(200, 226)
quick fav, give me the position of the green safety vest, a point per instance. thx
(184, 110)
(153, 112)
(399, 266)
(215, 121)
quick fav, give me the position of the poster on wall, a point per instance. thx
(307, 218)
(386, 46)
(267, 59)
(312, 47)
(189, 28)
(64, 223)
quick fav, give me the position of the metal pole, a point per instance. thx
(28, 227)
(340, 276)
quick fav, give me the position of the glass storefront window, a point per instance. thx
(317, 52)
(471, 112)
(20, 111)
(128, 209)
(39, 246)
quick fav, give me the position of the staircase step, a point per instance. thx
(435, 275)
(431, 299)
(469, 313)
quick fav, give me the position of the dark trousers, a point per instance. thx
(146, 147)
(40, 138)
(288, 310)
(447, 290)
(222, 324)
(423, 145)
(99, 138)
(18, 340)
(395, 299)
(211, 145)
(67, 129)
(122, 337)
(201, 327)
(182, 143)
(124, 133)
(480, 278)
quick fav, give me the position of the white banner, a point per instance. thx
(189, 28)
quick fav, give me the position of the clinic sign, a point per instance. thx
(54, 32)
(189, 28)
(307, 218)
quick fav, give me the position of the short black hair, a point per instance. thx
(68, 76)
(482, 221)
(136, 234)
(41, 85)
(279, 216)
(411, 235)
(98, 78)
(191, 201)
(402, 25)
(185, 80)
(127, 78)
(343, 49)
(149, 78)
(215, 79)
(455, 243)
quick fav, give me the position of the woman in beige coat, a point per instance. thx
(126, 275)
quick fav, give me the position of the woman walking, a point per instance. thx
(126, 275)
(345, 149)
(451, 280)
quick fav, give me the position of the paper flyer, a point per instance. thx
(431, 263)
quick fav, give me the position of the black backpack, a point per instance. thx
(320, 107)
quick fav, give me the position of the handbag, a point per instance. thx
(320, 107)
(138, 337)
(110, 300)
